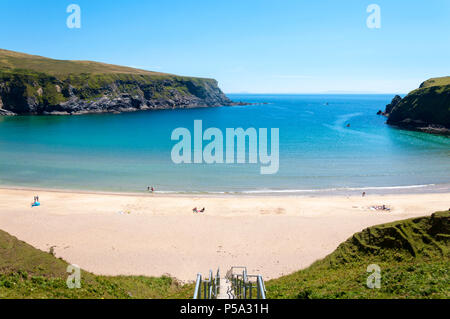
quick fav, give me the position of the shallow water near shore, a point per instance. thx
(318, 152)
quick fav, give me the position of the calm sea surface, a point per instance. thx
(318, 152)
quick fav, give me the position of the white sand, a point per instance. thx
(271, 235)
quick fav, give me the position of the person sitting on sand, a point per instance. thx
(35, 202)
(194, 210)
(202, 210)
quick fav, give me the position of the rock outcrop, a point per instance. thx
(40, 94)
(425, 109)
(395, 101)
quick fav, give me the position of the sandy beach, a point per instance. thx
(150, 234)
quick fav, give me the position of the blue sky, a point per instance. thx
(258, 46)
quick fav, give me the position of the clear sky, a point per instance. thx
(258, 46)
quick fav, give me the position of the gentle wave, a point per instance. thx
(324, 190)
(337, 189)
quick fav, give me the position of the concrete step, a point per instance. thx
(225, 289)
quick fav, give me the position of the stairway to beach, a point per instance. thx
(225, 291)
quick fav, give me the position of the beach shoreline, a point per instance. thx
(319, 192)
(156, 234)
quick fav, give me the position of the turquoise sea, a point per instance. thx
(318, 152)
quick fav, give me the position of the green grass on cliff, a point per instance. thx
(61, 69)
(17, 60)
(26, 272)
(413, 256)
(445, 80)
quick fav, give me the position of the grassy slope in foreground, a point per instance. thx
(26, 272)
(413, 255)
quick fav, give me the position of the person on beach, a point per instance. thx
(363, 194)
(202, 210)
(194, 210)
(35, 202)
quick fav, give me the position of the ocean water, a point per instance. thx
(318, 152)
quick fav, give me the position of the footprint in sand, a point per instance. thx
(278, 211)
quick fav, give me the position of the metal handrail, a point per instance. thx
(261, 288)
(197, 286)
(217, 284)
(209, 288)
(243, 286)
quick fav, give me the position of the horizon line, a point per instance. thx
(318, 93)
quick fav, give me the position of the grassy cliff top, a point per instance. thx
(413, 256)
(445, 80)
(11, 60)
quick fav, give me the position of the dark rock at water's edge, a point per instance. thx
(41, 86)
(426, 109)
(40, 94)
(6, 113)
(395, 101)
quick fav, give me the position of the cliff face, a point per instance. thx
(37, 85)
(425, 109)
(395, 101)
(43, 94)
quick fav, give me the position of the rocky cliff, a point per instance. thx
(37, 85)
(425, 109)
